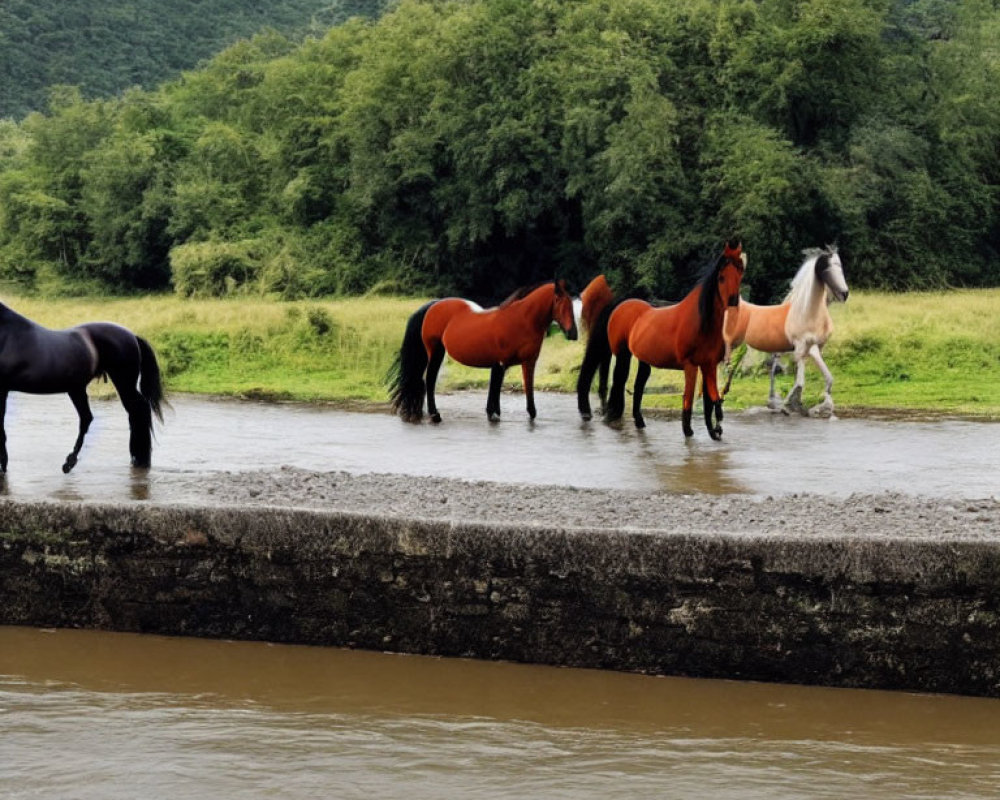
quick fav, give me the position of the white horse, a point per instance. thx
(801, 325)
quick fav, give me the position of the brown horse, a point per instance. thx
(685, 336)
(494, 339)
(801, 324)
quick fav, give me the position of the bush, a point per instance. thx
(215, 269)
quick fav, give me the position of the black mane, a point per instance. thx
(706, 300)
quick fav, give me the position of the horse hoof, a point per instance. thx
(435, 418)
(585, 417)
(640, 422)
(66, 468)
(715, 433)
(493, 416)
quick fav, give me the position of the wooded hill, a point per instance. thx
(475, 146)
(109, 46)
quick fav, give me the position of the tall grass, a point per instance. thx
(936, 352)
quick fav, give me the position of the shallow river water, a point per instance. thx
(761, 454)
(96, 715)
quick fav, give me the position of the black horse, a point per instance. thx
(37, 360)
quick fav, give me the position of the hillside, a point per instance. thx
(106, 47)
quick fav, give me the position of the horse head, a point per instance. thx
(729, 272)
(562, 309)
(830, 273)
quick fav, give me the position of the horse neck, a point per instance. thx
(807, 304)
(715, 307)
(539, 306)
(10, 318)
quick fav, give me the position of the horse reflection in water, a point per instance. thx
(685, 336)
(37, 360)
(494, 339)
(801, 325)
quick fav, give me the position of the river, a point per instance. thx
(99, 715)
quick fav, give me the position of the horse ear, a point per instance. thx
(733, 249)
(560, 284)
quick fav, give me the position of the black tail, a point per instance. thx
(405, 378)
(150, 385)
(598, 352)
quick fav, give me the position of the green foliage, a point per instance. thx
(110, 46)
(473, 146)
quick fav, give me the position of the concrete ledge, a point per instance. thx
(855, 612)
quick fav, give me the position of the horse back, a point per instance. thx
(38, 360)
(116, 347)
(467, 332)
(622, 320)
(766, 327)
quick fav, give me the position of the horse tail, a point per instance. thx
(150, 384)
(405, 377)
(597, 352)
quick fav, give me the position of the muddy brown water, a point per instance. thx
(762, 453)
(97, 715)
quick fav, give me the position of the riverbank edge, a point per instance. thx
(841, 611)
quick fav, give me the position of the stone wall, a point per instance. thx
(873, 612)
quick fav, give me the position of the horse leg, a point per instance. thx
(690, 379)
(616, 397)
(584, 381)
(433, 366)
(140, 418)
(528, 380)
(711, 401)
(3, 433)
(641, 376)
(602, 381)
(79, 398)
(497, 371)
(824, 409)
(794, 400)
(773, 398)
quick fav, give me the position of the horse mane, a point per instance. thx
(524, 291)
(805, 279)
(706, 299)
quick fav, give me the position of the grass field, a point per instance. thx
(931, 352)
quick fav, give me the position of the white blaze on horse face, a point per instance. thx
(578, 311)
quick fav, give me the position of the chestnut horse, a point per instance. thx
(37, 360)
(685, 336)
(494, 339)
(597, 303)
(801, 324)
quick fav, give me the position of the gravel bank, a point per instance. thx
(870, 515)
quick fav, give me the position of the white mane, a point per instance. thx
(804, 283)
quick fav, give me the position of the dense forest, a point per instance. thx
(474, 146)
(110, 46)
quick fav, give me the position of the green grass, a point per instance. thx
(930, 352)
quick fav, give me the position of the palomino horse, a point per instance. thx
(41, 361)
(494, 339)
(801, 324)
(686, 336)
